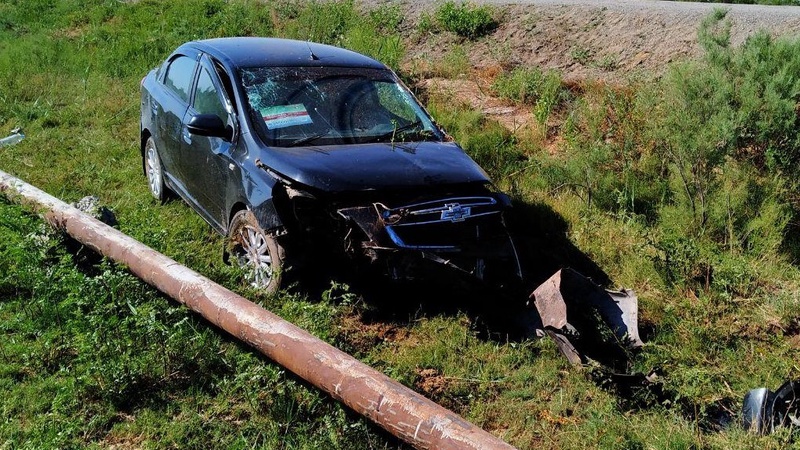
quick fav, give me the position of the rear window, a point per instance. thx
(179, 76)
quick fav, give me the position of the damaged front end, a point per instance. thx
(409, 235)
(464, 233)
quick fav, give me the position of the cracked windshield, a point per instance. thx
(327, 106)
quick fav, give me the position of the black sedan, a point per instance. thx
(296, 150)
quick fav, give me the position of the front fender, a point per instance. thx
(267, 215)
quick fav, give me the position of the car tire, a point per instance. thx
(154, 171)
(255, 251)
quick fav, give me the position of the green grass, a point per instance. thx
(465, 19)
(540, 89)
(91, 357)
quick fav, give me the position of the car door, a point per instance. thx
(171, 109)
(207, 160)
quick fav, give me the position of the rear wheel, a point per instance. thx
(154, 171)
(256, 252)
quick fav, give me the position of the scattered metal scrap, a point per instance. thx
(585, 320)
(764, 411)
(15, 136)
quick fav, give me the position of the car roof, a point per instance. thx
(274, 52)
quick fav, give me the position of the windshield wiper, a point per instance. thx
(396, 131)
(307, 139)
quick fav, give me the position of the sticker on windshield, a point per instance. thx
(285, 116)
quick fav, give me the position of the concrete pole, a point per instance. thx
(398, 409)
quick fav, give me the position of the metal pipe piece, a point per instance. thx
(396, 408)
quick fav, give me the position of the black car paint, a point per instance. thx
(329, 168)
(342, 168)
(221, 176)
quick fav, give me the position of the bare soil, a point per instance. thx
(601, 39)
(606, 41)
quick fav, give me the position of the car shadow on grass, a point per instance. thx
(387, 310)
(540, 236)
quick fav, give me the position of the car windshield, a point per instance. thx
(296, 106)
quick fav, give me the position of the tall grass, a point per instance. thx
(465, 19)
(541, 89)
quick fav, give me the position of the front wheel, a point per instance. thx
(256, 252)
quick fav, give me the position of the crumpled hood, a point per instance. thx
(360, 167)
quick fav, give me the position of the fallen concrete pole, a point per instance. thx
(398, 409)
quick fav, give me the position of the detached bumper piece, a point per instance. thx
(585, 320)
(764, 411)
(464, 233)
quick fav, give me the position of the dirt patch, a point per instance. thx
(431, 382)
(600, 39)
(364, 335)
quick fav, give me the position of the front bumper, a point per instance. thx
(465, 233)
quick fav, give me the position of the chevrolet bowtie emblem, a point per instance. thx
(455, 212)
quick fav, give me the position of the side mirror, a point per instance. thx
(209, 125)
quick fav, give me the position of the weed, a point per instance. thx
(455, 63)
(466, 19)
(487, 142)
(581, 54)
(607, 62)
(386, 17)
(426, 23)
(541, 89)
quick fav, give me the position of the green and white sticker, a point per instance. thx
(285, 116)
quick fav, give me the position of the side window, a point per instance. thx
(206, 97)
(226, 82)
(179, 76)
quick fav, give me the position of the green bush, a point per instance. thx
(706, 156)
(757, 88)
(541, 89)
(727, 129)
(465, 19)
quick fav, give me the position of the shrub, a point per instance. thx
(541, 89)
(761, 90)
(726, 128)
(466, 19)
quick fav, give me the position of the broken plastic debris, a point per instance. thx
(15, 136)
(763, 410)
(575, 312)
